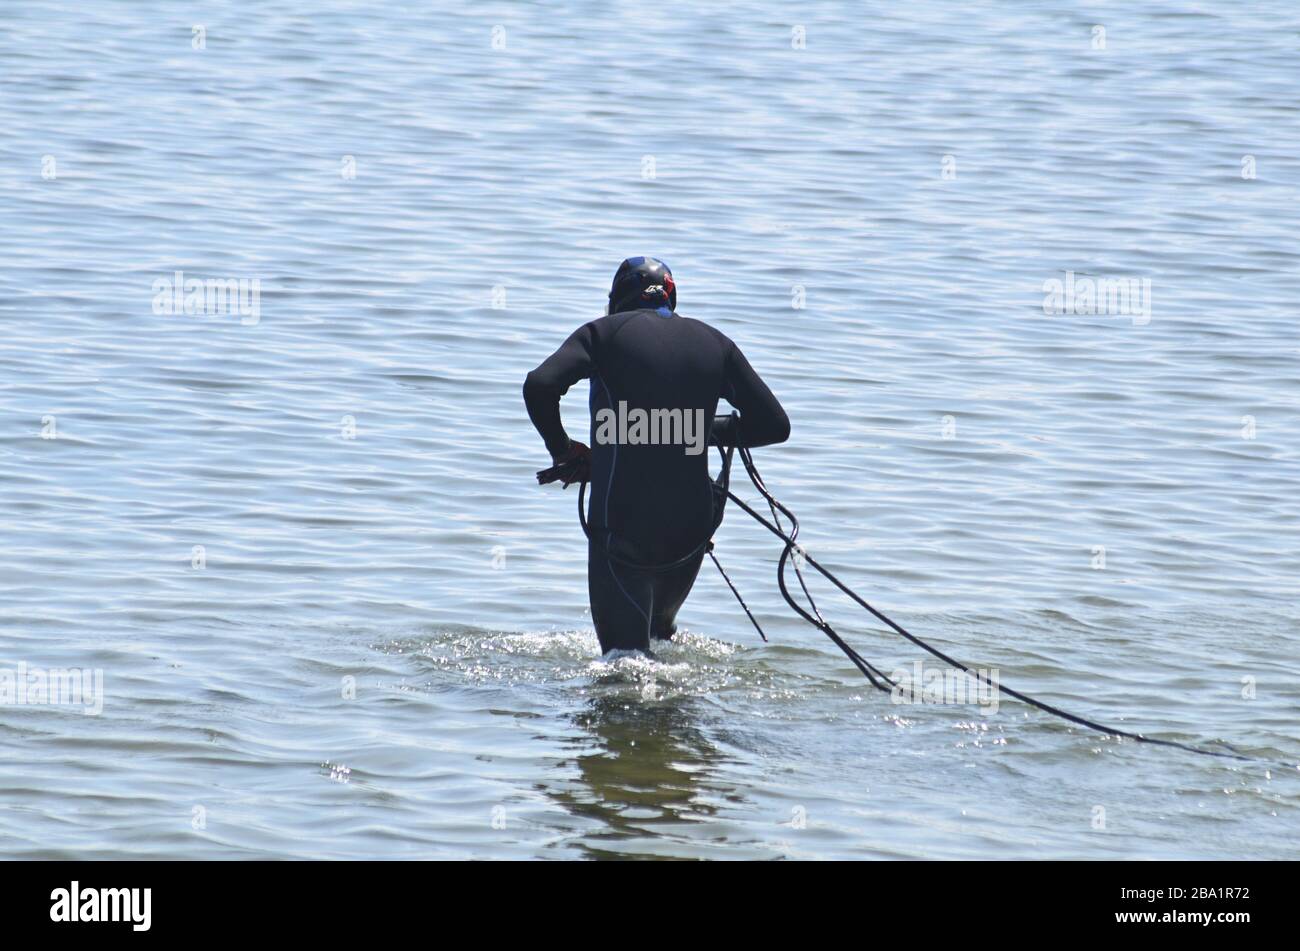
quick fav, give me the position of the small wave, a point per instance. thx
(690, 665)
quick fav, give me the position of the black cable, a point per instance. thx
(737, 594)
(872, 673)
(897, 628)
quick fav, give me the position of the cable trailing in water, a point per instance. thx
(815, 618)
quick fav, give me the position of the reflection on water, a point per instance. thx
(643, 769)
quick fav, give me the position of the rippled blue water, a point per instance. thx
(335, 617)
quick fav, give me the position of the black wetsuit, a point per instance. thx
(651, 504)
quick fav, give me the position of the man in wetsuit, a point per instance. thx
(656, 378)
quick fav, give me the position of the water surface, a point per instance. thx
(382, 647)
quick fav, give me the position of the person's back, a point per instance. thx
(657, 383)
(656, 379)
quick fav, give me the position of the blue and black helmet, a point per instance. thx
(642, 282)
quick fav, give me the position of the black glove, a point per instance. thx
(574, 465)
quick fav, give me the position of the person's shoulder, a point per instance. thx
(600, 331)
(599, 325)
(605, 327)
(708, 330)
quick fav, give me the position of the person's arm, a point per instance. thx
(544, 386)
(762, 420)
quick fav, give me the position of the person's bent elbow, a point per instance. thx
(780, 430)
(535, 388)
(773, 430)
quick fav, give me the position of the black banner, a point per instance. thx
(135, 900)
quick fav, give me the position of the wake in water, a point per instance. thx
(771, 681)
(690, 665)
